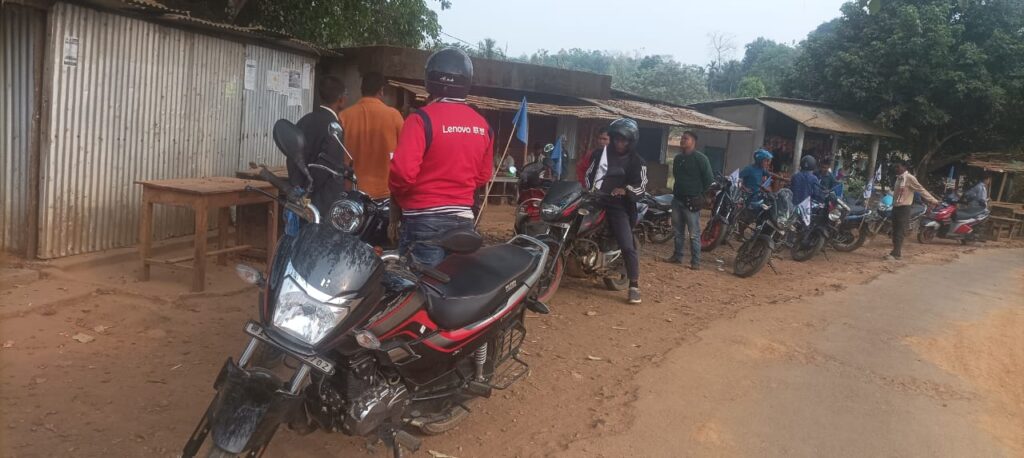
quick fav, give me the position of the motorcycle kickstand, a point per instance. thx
(772, 265)
(393, 436)
(824, 253)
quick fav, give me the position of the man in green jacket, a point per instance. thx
(692, 172)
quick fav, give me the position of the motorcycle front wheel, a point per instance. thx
(751, 257)
(926, 235)
(712, 235)
(850, 239)
(217, 452)
(807, 245)
(549, 284)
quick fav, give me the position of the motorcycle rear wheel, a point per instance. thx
(548, 291)
(457, 414)
(926, 235)
(660, 232)
(751, 257)
(217, 452)
(807, 245)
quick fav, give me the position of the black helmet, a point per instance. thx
(625, 128)
(808, 163)
(449, 73)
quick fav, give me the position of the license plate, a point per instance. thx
(315, 362)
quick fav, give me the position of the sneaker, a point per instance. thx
(890, 257)
(634, 295)
(674, 259)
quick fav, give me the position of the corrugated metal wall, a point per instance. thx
(142, 102)
(263, 107)
(22, 46)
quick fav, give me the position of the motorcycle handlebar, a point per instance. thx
(275, 180)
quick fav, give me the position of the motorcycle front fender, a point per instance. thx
(769, 240)
(248, 407)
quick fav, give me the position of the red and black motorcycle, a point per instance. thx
(534, 181)
(579, 239)
(372, 343)
(952, 219)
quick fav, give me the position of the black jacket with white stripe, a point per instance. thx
(634, 181)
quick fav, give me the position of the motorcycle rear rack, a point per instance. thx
(509, 373)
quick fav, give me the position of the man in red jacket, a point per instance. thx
(443, 155)
(581, 167)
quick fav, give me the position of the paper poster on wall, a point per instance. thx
(250, 74)
(294, 77)
(231, 89)
(294, 97)
(306, 74)
(71, 51)
(276, 81)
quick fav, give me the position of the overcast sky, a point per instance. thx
(677, 28)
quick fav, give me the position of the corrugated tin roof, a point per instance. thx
(817, 116)
(598, 109)
(998, 162)
(490, 103)
(813, 114)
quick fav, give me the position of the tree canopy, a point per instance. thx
(944, 74)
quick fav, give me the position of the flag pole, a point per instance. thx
(490, 183)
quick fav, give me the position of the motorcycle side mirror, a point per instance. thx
(292, 142)
(461, 241)
(336, 131)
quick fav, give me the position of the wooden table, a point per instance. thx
(201, 195)
(250, 221)
(506, 182)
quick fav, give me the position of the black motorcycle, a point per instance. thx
(774, 221)
(373, 342)
(819, 227)
(335, 195)
(855, 229)
(655, 222)
(579, 239)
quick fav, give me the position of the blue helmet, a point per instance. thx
(761, 155)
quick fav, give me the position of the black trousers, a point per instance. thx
(900, 220)
(621, 225)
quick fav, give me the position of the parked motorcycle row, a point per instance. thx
(366, 342)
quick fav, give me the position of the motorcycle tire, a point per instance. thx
(456, 416)
(547, 291)
(712, 235)
(849, 240)
(926, 235)
(217, 452)
(660, 232)
(751, 257)
(805, 249)
(620, 282)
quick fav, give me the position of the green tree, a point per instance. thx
(938, 72)
(724, 78)
(330, 23)
(770, 62)
(751, 86)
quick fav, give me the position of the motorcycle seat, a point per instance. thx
(664, 200)
(965, 213)
(857, 210)
(479, 284)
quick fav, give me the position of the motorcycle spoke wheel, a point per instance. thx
(660, 232)
(751, 257)
(926, 235)
(807, 245)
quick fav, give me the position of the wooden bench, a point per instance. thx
(1012, 225)
(201, 195)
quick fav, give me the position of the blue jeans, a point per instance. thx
(682, 220)
(425, 228)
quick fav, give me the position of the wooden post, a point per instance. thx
(223, 221)
(199, 248)
(798, 147)
(835, 153)
(1002, 187)
(145, 233)
(873, 162)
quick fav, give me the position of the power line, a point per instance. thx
(457, 38)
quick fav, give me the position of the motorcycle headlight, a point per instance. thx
(549, 210)
(835, 214)
(304, 317)
(346, 215)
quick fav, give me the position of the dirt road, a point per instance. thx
(926, 362)
(97, 364)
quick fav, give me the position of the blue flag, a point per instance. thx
(556, 157)
(522, 123)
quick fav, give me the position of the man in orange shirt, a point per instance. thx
(371, 133)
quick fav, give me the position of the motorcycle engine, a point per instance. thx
(358, 399)
(588, 253)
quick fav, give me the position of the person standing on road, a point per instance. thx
(581, 167)
(371, 134)
(443, 156)
(903, 197)
(625, 188)
(691, 170)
